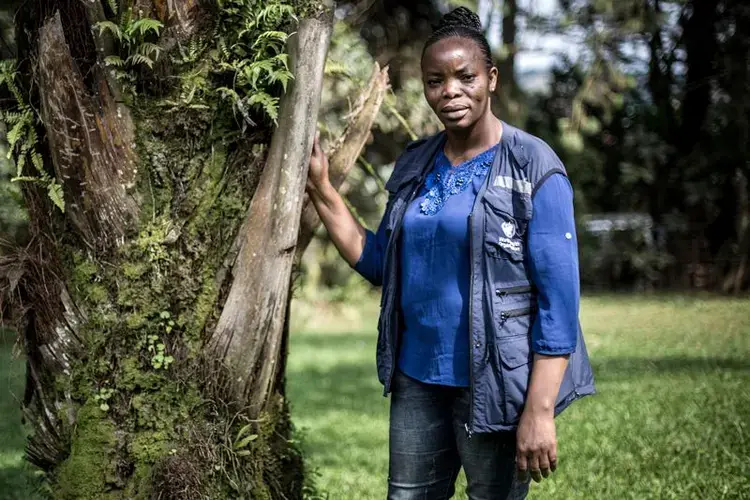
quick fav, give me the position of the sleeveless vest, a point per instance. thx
(502, 296)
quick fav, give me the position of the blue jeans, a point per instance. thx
(429, 444)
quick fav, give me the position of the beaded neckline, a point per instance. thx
(445, 180)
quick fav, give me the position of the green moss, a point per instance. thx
(150, 446)
(310, 8)
(132, 377)
(209, 186)
(97, 294)
(84, 269)
(135, 320)
(89, 471)
(134, 270)
(205, 306)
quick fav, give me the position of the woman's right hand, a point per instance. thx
(345, 232)
(317, 176)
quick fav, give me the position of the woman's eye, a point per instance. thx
(433, 83)
(467, 78)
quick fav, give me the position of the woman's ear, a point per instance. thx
(493, 78)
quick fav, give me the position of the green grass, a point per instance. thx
(671, 419)
(15, 474)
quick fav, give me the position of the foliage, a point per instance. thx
(137, 45)
(21, 121)
(652, 117)
(13, 217)
(248, 67)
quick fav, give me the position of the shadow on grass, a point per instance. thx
(349, 382)
(621, 368)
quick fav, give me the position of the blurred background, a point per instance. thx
(648, 105)
(646, 102)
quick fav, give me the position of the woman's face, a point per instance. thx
(457, 84)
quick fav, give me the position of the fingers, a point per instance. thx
(536, 473)
(553, 458)
(544, 465)
(316, 144)
(538, 464)
(522, 465)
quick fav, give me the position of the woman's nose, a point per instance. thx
(451, 89)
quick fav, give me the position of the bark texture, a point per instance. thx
(173, 256)
(248, 336)
(91, 141)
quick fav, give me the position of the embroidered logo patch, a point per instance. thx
(509, 229)
(507, 243)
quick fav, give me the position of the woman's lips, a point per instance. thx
(454, 113)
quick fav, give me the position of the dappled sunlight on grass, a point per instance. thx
(670, 420)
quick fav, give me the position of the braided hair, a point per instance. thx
(462, 23)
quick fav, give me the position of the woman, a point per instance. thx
(479, 342)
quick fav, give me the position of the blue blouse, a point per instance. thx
(434, 254)
(435, 272)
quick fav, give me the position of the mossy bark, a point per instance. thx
(120, 294)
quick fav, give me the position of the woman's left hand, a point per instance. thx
(536, 444)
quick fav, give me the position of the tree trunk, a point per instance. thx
(508, 92)
(153, 308)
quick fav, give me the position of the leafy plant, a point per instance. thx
(251, 50)
(135, 38)
(102, 397)
(21, 120)
(243, 439)
(156, 347)
(247, 66)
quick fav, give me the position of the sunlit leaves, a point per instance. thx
(21, 120)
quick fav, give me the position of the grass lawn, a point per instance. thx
(15, 474)
(671, 419)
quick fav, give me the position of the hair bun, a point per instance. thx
(462, 17)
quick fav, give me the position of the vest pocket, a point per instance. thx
(516, 356)
(504, 234)
(512, 310)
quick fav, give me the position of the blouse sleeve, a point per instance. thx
(370, 263)
(553, 258)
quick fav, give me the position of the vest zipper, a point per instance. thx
(490, 173)
(395, 234)
(513, 290)
(480, 195)
(514, 313)
(467, 425)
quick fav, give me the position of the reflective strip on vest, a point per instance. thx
(517, 185)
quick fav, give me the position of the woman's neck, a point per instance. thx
(465, 144)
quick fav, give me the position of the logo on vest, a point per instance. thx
(507, 243)
(509, 229)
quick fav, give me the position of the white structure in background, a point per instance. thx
(603, 225)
